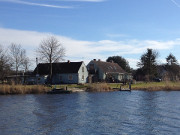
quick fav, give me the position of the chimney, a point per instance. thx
(112, 61)
(68, 61)
(94, 59)
(99, 59)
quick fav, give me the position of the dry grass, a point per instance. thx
(98, 87)
(23, 89)
(157, 86)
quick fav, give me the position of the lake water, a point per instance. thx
(104, 113)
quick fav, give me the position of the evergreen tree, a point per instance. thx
(172, 67)
(148, 64)
(171, 59)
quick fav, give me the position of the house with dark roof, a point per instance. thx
(63, 73)
(100, 71)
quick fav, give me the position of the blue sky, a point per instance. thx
(91, 29)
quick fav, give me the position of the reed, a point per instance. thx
(23, 89)
(98, 87)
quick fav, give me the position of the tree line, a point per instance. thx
(14, 58)
(148, 67)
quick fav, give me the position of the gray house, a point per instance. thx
(100, 71)
(63, 73)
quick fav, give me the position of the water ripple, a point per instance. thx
(109, 113)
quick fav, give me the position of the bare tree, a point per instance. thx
(4, 63)
(17, 56)
(26, 64)
(50, 50)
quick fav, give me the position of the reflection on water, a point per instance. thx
(107, 113)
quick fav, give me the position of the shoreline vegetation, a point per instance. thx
(94, 87)
(157, 86)
(23, 89)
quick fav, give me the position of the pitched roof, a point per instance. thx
(64, 67)
(109, 67)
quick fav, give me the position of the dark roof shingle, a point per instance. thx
(64, 67)
(109, 67)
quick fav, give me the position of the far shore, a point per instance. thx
(94, 87)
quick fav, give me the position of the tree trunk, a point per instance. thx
(50, 72)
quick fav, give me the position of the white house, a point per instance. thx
(64, 72)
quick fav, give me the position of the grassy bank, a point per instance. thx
(157, 86)
(150, 86)
(95, 87)
(23, 89)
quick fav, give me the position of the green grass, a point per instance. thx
(150, 86)
(88, 87)
(157, 86)
(63, 86)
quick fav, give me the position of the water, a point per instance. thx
(106, 113)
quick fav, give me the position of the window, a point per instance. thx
(82, 77)
(82, 69)
(70, 77)
(60, 77)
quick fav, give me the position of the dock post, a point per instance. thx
(130, 85)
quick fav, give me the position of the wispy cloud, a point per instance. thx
(77, 50)
(84, 0)
(177, 4)
(36, 4)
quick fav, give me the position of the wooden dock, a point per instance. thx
(125, 89)
(59, 91)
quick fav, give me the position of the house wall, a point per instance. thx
(100, 73)
(116, 76)
(120, 77)
(72, 78)
(65, 78)
(83, 74)
(42, 79)
(36, 79)
(128, 76)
